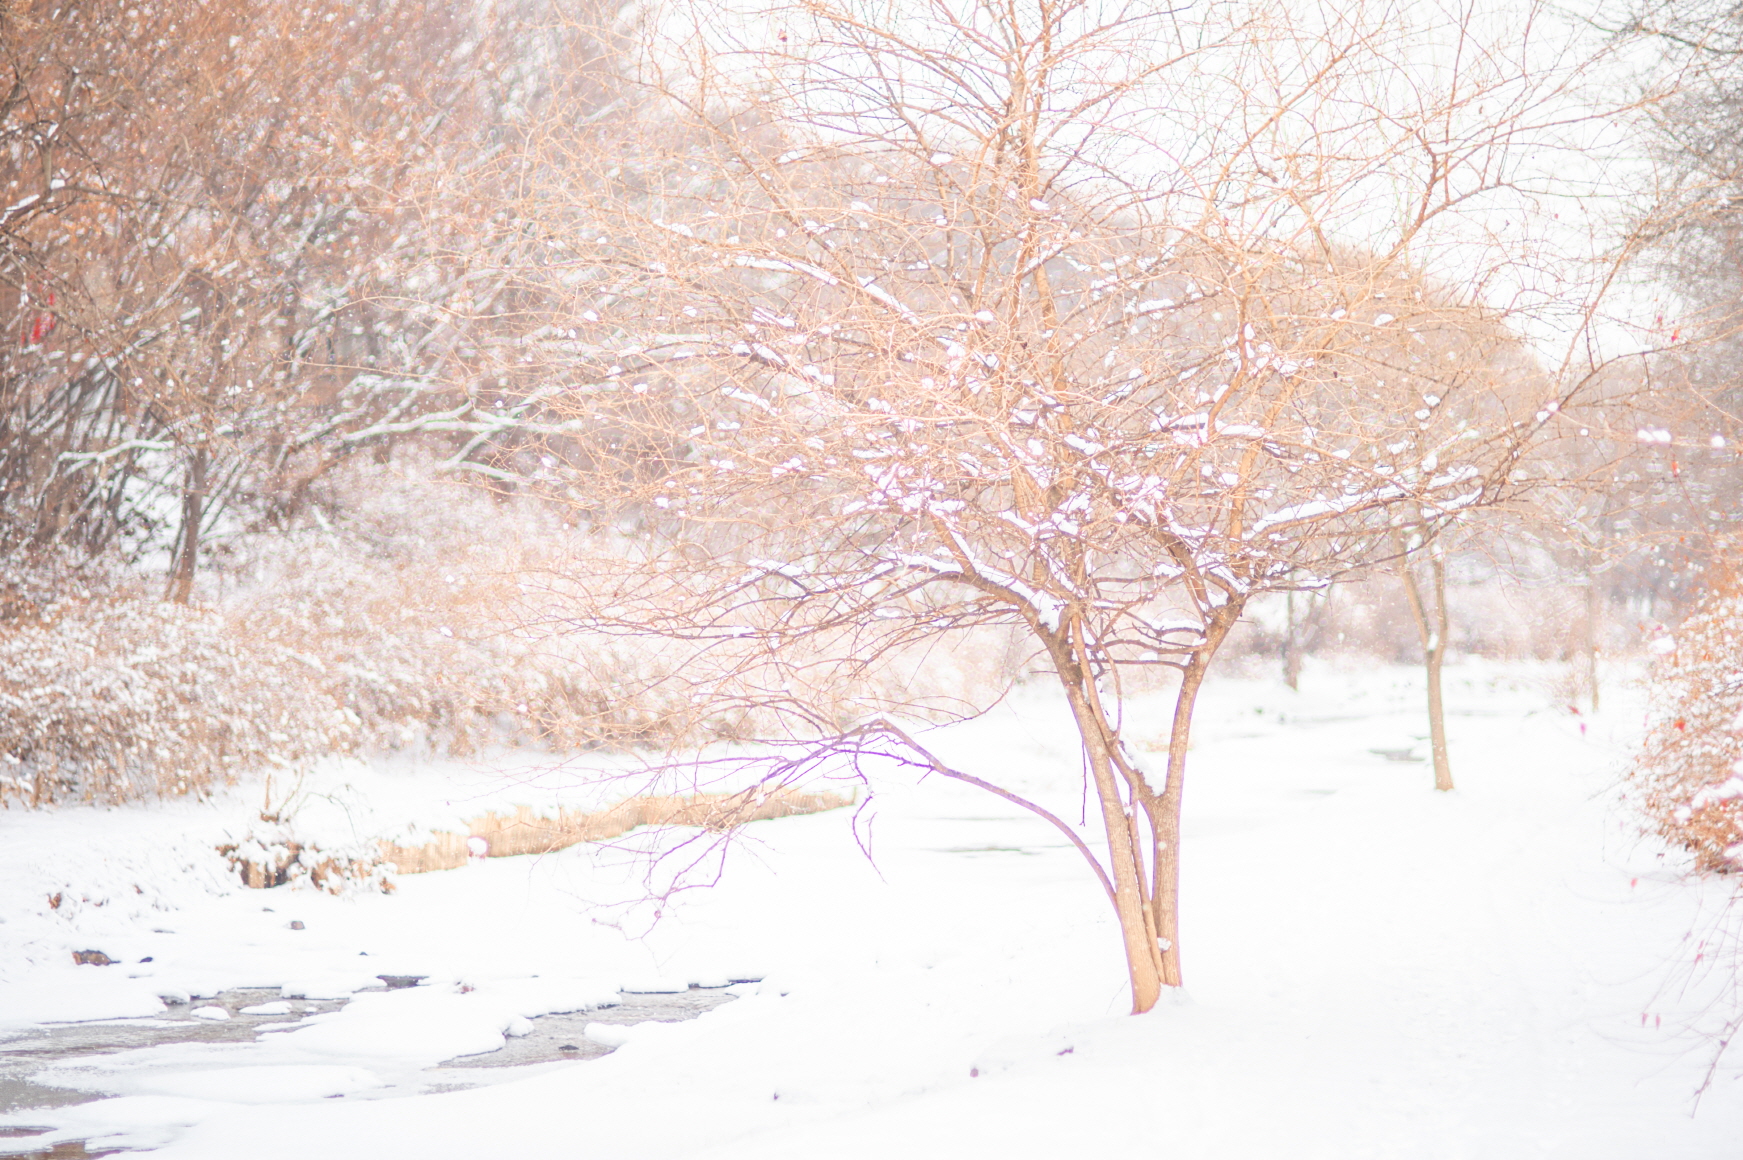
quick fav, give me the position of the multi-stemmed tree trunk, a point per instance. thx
(1149, 912)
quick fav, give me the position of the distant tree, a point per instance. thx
(1303, 624)
(1683, 489)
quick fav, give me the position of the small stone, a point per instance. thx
(567, 1047)
(295, 924)
(216, 1014)
(92, 958)
(400, 982)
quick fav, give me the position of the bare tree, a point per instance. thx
(240, 243)
(893, 327)
(1303, 625)
(1428, 609)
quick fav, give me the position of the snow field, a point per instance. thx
(1373, 970)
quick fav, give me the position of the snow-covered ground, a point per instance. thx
(1373, 969)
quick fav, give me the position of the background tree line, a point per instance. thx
(241, 242)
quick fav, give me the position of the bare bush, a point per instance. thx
(1687, 785)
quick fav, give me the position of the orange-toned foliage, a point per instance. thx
(1689, 775)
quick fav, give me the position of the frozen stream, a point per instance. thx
(24, 1054)
(40, 1066)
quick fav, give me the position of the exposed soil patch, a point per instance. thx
(69, 1150)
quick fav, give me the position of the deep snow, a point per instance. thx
(1372, 969)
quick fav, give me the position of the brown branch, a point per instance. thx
(938, 767)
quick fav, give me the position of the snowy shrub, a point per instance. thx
(1689, 775)
(411, 618)
(318, 830)
(436, 614)
(273, 855)
(413, 614)
(117, 696)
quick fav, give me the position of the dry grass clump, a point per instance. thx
(527, 832)
(1689, 775)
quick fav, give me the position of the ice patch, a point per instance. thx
(655, 985)
(609, 1034)
(76, 995)
(329, 986)
(263, 1084)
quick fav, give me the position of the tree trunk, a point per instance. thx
(1291, 647)
(1443, 779)
(1594, 606)
(1125, 856)
(181, 581)
(1108, 769)
(1432, 628)
(1165, 827)
(1164, 808)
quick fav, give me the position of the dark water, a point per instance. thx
(23, 1055)
(553, 1037)
(556, 1037)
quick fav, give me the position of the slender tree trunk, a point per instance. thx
(1443, 779)
(1137, 930)
(1164, 809)
(1432, 628)
(181, 581)
(1291, 646)
(1165, 827)
(1125, 852)
(1594, 607)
